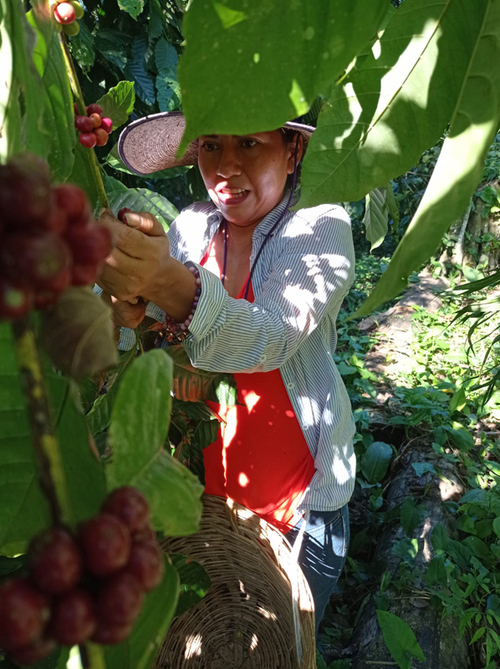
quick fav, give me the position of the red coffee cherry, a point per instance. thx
(15, 300)
(84, 124)
(34, 259)
(89, 245)
(146, 564)
(45, 298)
(101, 137)
(87, 140)
(23, 614)
(73, 620)
(145, 536)
(108, 635)
(83, 275)
(106, 544)
(75, 107)
(73, 201)
(33, 652)
(130, 505)
(107, 124)
(119, 599)
(64, 13)
(94, 109)
(96, 120)
(122, 212)
(56, 221)
(25, 198)
(55, 562)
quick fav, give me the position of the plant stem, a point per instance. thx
(48, 457)
(80, 105)
(92, 656)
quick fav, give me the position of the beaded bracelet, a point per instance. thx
(174, 332)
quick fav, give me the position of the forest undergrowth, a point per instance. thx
(435, 400)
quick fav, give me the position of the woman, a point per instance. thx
(252, 288)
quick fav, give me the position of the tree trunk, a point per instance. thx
(439, 639)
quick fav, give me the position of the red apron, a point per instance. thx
(260, 459)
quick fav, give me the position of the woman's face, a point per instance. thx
(245, 175)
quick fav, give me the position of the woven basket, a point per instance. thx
(245, 621)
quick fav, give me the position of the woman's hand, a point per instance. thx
(140, 260)
(127, 315)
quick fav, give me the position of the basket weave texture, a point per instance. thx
(245, 621)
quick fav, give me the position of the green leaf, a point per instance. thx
(440, 537)
(113, 44)
(289, 53)
(192, 384)
(166, 57)
(22, 94)
(132, 7)
(57, 111)
(140, 648)
(375, 461)
(436, 572)
(411, 515)
(137, 432)
(496, 526)
(136, 70)
(376, 217)
(460, 436)
(474, 123)
(168, 92)
(139, 199)
(479, 633)
(194, 582)
(83, 47)
(459, 399)
(422, 468)
(478, 547)
(399, 639)
(118, 103)
(385, 114)
(83, 176)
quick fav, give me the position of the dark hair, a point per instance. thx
(289, 135)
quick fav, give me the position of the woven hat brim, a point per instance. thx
(150, 143)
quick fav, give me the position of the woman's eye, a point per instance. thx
(249, 143)
(209, 146)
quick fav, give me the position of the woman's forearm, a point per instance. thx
(174, 292)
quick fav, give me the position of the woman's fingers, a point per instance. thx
(144, 222)
(128, 315)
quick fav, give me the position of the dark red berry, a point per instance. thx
(73, 619)
(64, 13)
(107, 124)
(119, 599)
(34, 259)
(84, 124)
(96, 120)
(55, 562)
(15, 301)
(33, 652)
(73, 201)
(101, 136)
(23, 614)
(106, 544)
(45, 299)
(108, 635)
(94, 109)
(75, 107)
(83, 275)
(56, 221)
(147, 535)
(87, 139)
(122, 212)
(146, 564)
(130, 505)
(89, 245)
(25, 198)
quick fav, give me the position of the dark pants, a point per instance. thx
(323, 553)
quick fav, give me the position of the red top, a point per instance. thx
(260, 458)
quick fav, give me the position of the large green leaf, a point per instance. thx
(475, 121)
(139, 199)
(136, 70)
(83, 47)
(375, 461)
(251, 66)
(23, 509)
(118, 103)
(376, 217)
(397, 104)
(399, 639)
(137, 432)
(22, 94)
(194, 582)
(138, 651)
(132, 7)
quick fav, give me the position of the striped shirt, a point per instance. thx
(301, 277)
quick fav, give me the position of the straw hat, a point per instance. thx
(150, 143)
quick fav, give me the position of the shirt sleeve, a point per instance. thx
(309, 279)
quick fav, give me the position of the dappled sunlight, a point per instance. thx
(426, 535)
(193, 646)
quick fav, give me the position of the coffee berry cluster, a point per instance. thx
(48, 238)
(65, 14)
(94, 129)
(88, 586)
